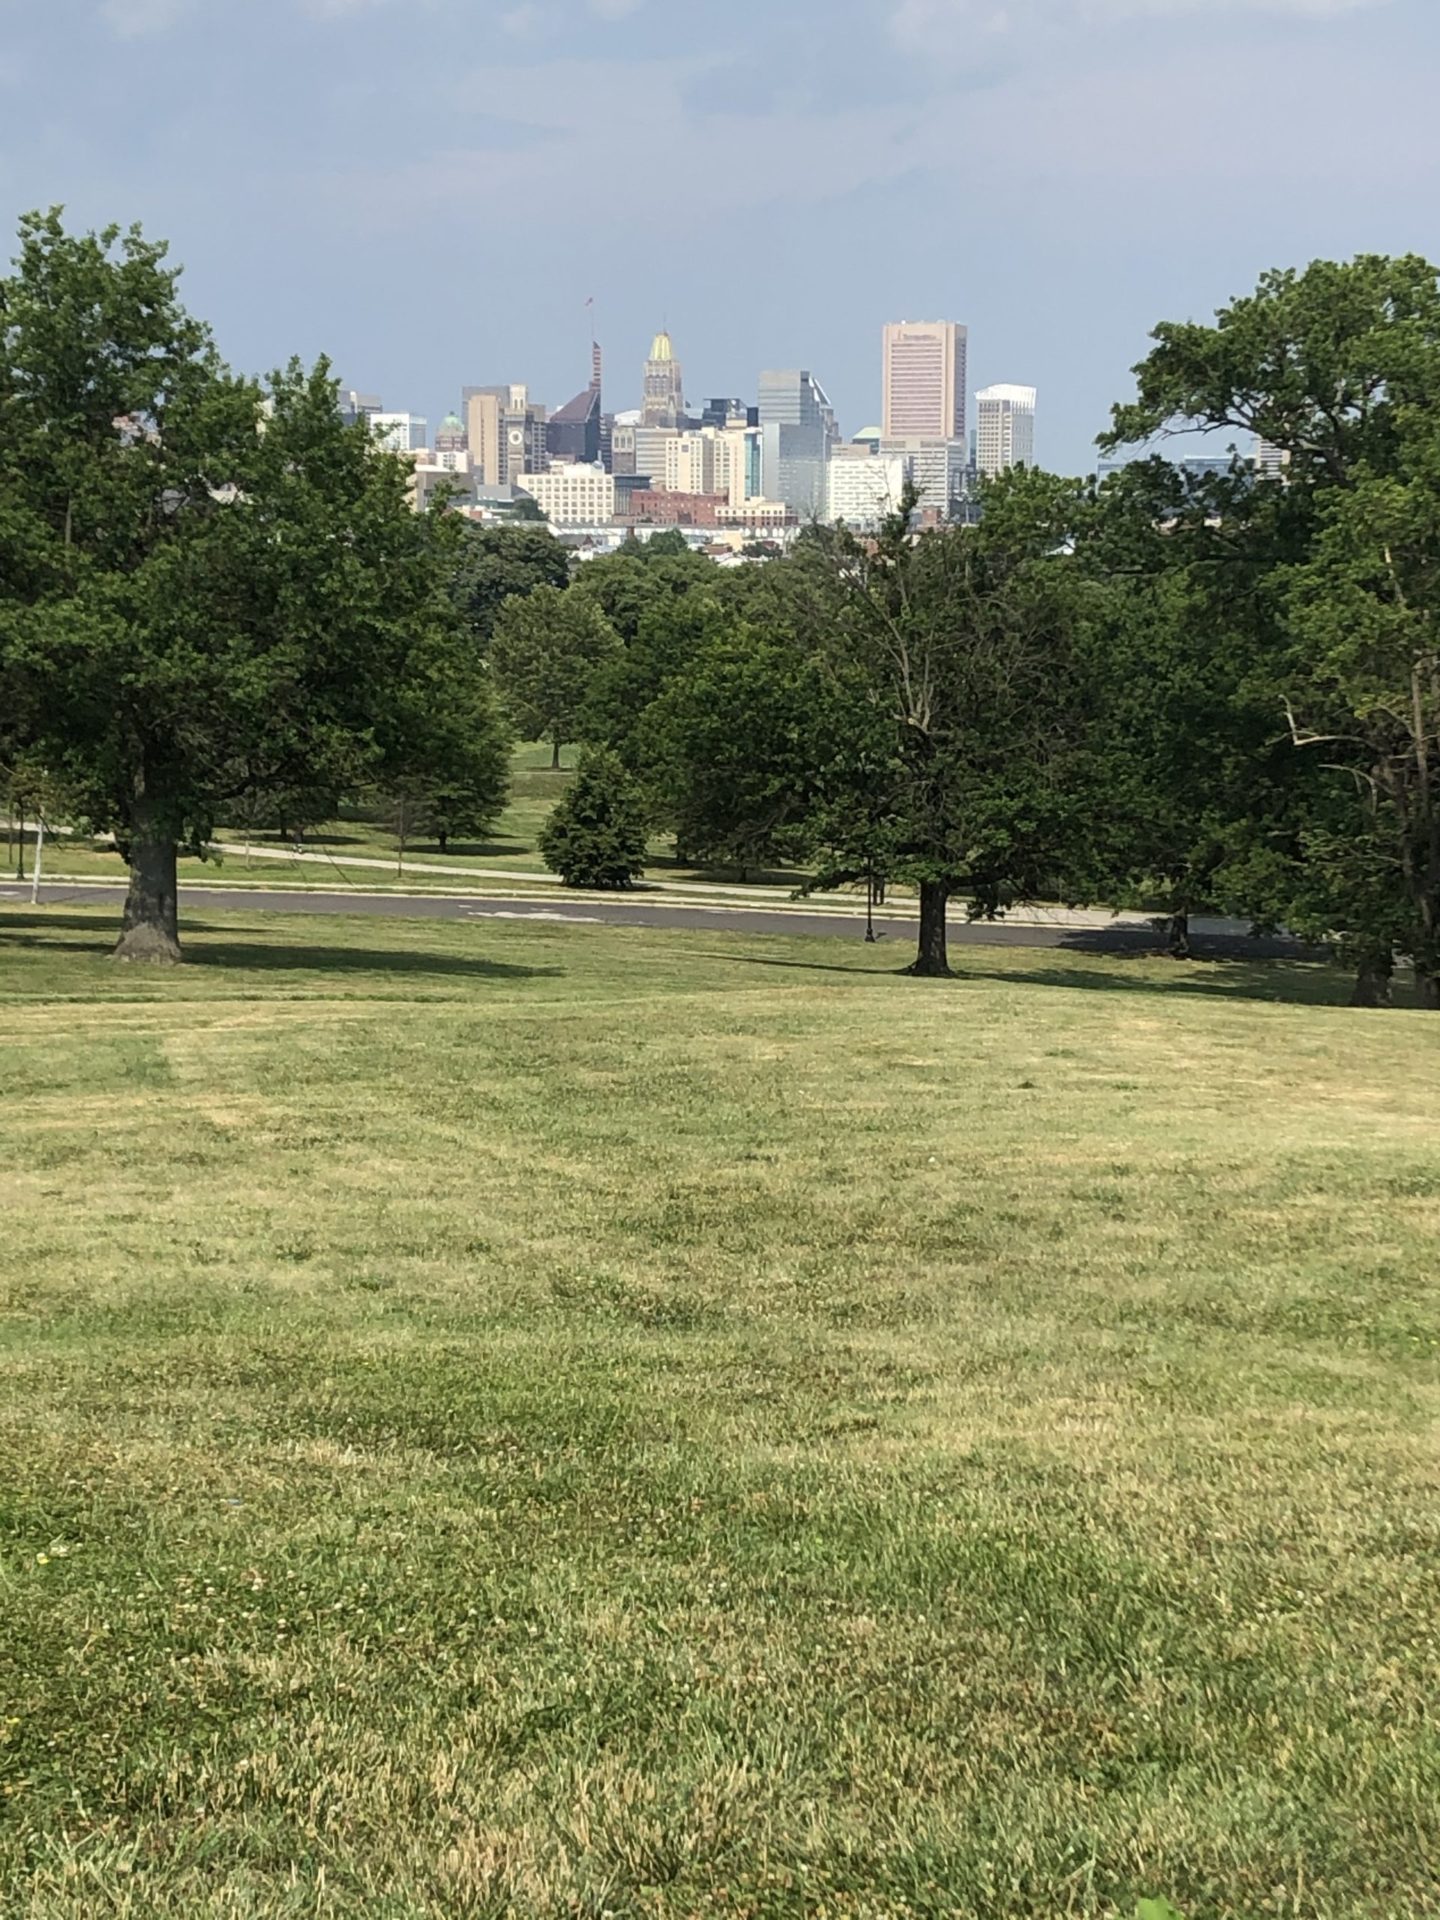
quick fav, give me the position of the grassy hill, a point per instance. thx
(521, 1420)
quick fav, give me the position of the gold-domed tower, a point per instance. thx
(664, 403)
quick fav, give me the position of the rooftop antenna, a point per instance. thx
(595, 355)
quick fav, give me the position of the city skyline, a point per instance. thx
(807, 184)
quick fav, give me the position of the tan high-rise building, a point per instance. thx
(506, 432)
(925, 380)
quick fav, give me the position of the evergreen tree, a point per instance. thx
(596, 836)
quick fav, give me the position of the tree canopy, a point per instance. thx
(220, 587)
(1329, 569)
(546, 652)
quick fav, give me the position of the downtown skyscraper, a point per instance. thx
(924, 409)
(797, 431)
(925, 380)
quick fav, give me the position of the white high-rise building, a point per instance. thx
(1005, 429)
(400, 432)
(691, 463)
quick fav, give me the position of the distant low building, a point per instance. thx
(1199, 466)
(938, 469)
(862, 487)
(652, 451)
(654, 508)
(770, 519)
(577, 495)
(429, 480)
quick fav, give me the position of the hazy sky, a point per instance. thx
(428, 190)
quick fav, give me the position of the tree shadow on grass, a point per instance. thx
(1294, 982)
(204, 950)
(1312, 983)
(257, 957)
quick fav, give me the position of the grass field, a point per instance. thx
(506, 1420)
(513, 848)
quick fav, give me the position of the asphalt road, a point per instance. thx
(584, 911)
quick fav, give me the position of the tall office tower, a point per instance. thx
(797, 431)
(664, 404)
(738, 463)
(1004, 429)
(925, 380)
(1271, 461)
(506, 432)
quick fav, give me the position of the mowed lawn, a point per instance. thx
(514, 1420)
(513, 849)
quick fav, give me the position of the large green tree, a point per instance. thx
(445, 769)
(546, 652)
(497, 563)
(1329, 569)
(732, 747)
(223, 587)
(1364, 610)
(1199, 789)
(967, 644)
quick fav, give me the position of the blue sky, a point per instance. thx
(428, 190)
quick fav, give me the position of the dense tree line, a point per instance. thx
(1218, 693)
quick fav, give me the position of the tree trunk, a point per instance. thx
(1372, 979)
(444, 841)
(150, 930)
(1177, 936)
(932, 958)
(555, 755)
